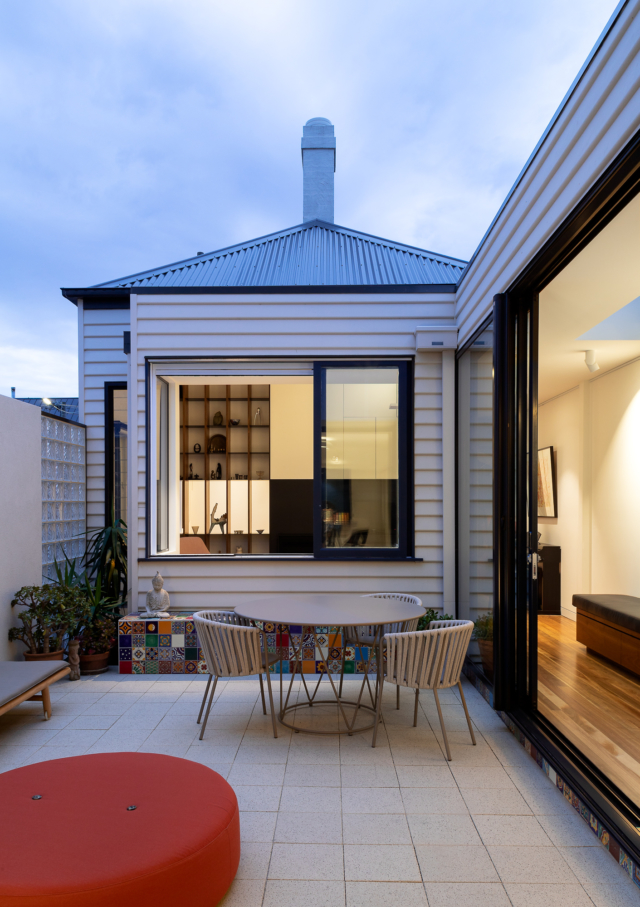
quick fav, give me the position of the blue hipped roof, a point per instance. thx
(315, 253)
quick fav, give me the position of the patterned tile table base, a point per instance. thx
(171, 647)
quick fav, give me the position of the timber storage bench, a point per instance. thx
(609, 625)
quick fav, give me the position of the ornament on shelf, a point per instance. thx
(196, 448)
(218, 471)
(217, 419)
(257, 417)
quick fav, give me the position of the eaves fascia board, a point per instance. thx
(88, 293)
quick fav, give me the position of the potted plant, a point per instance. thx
(47, 615)
(431, 614)
(97, 634)
(483, 635)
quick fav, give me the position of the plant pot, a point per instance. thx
(94, 664)
(44, 656)
(486, 655)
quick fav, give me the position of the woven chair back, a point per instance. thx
(428, 659)
(231, 649)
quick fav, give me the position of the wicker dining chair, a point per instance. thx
(232, 647)
(366, 634)
(428, 660)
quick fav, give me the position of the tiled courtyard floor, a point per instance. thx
(331, 822)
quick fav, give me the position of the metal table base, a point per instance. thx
(343, 704)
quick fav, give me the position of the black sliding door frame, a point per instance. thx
(515, 496)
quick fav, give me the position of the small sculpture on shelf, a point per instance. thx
(196, 448)
(221, 521)
(217, 419)
(190, 476)
(217, 444)
(234, 422)
(218, 471)
(257, 417)
(157, 600)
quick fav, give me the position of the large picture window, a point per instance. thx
(243, 467)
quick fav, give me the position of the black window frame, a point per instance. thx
(405, 548)
(109, 388)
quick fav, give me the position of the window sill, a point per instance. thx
(272, 557)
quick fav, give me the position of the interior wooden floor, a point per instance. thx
(593, 703)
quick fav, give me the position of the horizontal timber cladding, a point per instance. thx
(599, 116)
(101, 359)
(253, 326)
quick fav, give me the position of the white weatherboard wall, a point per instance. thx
(598, 118)
(21, 507)
(595, 432)
(101, 358)
(309, 326)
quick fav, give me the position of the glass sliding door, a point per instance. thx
(162, 464)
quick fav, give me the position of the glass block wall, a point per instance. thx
(63, 492)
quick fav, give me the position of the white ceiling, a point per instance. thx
(601, 280)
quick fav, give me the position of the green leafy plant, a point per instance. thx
(429, 615)
(98, 636)
(483, 626)
(48, 615)
(106, 557)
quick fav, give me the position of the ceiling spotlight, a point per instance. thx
(590, 360)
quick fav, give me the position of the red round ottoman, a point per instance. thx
(69, 834)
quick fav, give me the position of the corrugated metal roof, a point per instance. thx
(60, 406)
(315, 253)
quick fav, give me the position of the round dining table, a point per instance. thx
(310, 611)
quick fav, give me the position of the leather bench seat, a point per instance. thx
(68, 837)
(623, 610)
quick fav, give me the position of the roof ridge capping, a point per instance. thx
(286, 265)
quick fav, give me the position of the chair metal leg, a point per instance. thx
(378, 712)
(415, 709)
(264, 704)
(273, 712)
(444, 730)
(398, 696)
(342, 665)
(204, 699)
(466, 711)
(206, 717)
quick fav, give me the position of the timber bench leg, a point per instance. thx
(46, 702)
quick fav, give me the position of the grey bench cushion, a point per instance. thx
(623, 610)
(17, 677)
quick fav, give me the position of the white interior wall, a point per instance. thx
(595, 432)
(560, 426)
(21, 506)
(615, 490)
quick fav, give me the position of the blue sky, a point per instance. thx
(139, 132)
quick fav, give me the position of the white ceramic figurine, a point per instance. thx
(158, 599)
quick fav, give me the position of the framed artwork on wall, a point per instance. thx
(547, 490)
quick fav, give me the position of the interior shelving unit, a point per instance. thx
(230, 424)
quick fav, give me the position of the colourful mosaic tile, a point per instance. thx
(164, 639)
(164, 667)
(151, 653)
(151, 667)
(138, 667)
(177, 667)
(124, 627)
(124, 642)
(138, 639)
(125, 654)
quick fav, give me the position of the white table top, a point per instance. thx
(322, 610)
